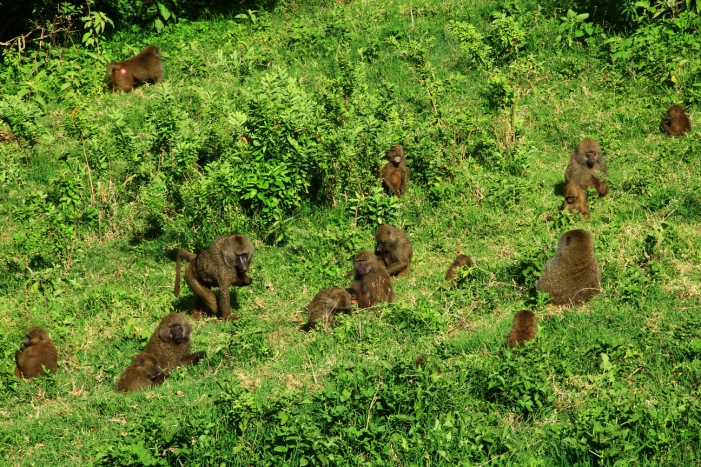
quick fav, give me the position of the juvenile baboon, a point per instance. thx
(524, 329)
(460, 262)
(143, 373)
(576, 200)
(146, 66)
(572, 276)
(39, 353)
(221, 265)
(395, 173)
(394, 249)
(170, 342)
(371, 283)
(325, 305)
(584, 164)
(677, 121)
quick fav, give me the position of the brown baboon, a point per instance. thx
(221, 265)
(676, 122)
(585, 161)
(143, 373)
(39, 354)
(146, 66)
(325, 305)
(576, 200)
(170, 342)
(371, 284)
(395, 173)
(524, 329)
(394, 249)
(572, 276)
(460, 262)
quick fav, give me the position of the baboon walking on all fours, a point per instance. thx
(170, 342)
(223, 264)
(39, 353)
(524, 329)
(146, 66)
(394, 249)
(371, 284)
(395, 173)
(676, 122)
(143, 373)
(572, 276)
(326, 305)
(586, 166)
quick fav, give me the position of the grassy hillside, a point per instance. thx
(274, 125)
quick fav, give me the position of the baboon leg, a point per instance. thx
(225, 302)
(199, 309)
(207, 296)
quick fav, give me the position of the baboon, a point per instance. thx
(325, 305)
(395, 173)
(524, 329)
(39, 354)
(371, 283)
(676, 122)
(146, 66)
(460, 262)
(221, 265)
(585, 161)
(170, 342)
(576, 200)
(143, 373)
(394, 249)
(572, 276)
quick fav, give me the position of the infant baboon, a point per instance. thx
(39, 353)
(395, 173)
(394, 249)
(170, 343)
(523, 330)
(221, 265)
(676, 122)
(572, 276)
(371, 284)
(460, 262)
(146, 66)
(325, 305)
(585, 161)
(143, 373)
(576, 200)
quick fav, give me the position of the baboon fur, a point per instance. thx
(676, 122)
(585, 163)
(371, 284)
(146, 66)
(223, 264)
(143, 373)
(394, 249)
(576, 200)
(325, 305)
(572, 276)
(524, 329)
(460, 262)
(39, 353)
(170, 342)
(395, 173)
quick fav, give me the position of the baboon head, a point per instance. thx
(574, 240)
(385, 239)
(148, 365)
(35, 336)
(395, 154)
(675, 110)
(238, 253)
(571, 192)
(365, 262)
(175, 328)
(588, 152)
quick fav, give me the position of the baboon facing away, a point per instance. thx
(585, 163)
(576, 200)
(325, 305)
(221, 265)
(523, 329)
(572, 276)
(143, 373)
(395, 173)
(146, 66)
(371, 284)
(39, 353)
(676, 122)
(394, 249)
(170, 342)
(460, 262)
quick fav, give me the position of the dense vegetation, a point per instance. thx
(272, 123)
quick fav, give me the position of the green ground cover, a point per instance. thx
(274, 124)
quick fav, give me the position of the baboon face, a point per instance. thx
(34, 336)
(385, 239)
(238, 253)
(365, 263)
(588, 152)
(177, 334)
(395, 154)
(149, 366)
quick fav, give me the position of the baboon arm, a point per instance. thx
(224, 301)
(194, 358)
(398, 267)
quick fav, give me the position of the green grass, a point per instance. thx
(613, 382)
